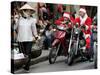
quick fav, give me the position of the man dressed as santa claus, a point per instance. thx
(64, 22)
(66, 19)
(84, 20)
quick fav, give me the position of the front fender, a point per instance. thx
(55, 42)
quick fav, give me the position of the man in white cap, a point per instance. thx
(85, 21)
(26, 31)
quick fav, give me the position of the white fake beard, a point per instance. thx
(83, 19)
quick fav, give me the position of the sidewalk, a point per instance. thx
(41, 58)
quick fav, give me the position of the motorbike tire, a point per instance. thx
(95, 55)
(70, 58)
(52, 58)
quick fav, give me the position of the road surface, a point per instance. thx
(59, 65)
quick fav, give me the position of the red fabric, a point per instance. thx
(60, 20)
(88, 43)
(60, 8)
(59, 33)
(66, 14)
(88, 22)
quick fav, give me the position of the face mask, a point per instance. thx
(33, 15)
(25, 14)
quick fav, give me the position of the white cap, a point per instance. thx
(26, 6)
(82, 10)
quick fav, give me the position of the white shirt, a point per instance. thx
(26, 28)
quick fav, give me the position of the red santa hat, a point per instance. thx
(82, 10)
(66, 14)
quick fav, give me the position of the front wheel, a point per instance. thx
(53, 54)
(70, 58)
(95, 55)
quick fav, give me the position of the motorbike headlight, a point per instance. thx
(76, 31)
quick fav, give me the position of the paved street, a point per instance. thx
(58, 66)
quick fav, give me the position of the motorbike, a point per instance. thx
(95, 45)
(60, 43)
(95, 49)
(77, 45)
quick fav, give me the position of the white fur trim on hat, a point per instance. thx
(82, 10)
(66, 15)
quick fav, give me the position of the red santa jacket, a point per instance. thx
(87, 23)
(60, 20)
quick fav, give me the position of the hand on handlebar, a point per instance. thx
(83, 27)
(66, 27)
(63, 22)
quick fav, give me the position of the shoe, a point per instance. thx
(26, 71)
(26, 68)
(91, 60)
(84, 59)
(66, 60)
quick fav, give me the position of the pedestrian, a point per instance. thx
(26, 31)
(48, 33)
(43, 13)
(85, 20)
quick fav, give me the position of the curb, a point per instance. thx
(37, 60)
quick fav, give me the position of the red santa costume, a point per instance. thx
(67, 16)
(60, 24)
(87, 22)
